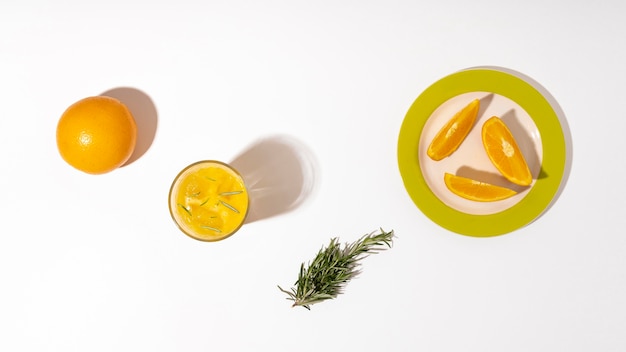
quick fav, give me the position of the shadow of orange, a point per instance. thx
(565, 128)
(143, 110)
(524, 142)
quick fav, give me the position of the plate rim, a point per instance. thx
(498, 81)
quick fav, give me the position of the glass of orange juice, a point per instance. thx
(208, 200)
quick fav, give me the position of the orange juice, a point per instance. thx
(208, 200)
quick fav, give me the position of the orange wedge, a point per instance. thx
(450, 136)
(476, 190)
(504, 152)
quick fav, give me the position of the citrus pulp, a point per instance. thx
(504, 152)
(208, 200)
(476, 190)
(453, 133)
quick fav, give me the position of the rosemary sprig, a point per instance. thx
(332, 268)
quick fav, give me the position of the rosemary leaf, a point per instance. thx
(232, 193)
(327, 274)
(185, 209)
(229, 206)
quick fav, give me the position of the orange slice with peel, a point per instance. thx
(504, 152)
(476, 190)
(453, 133)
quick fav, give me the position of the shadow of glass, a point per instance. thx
(280, 174)
(145, 114)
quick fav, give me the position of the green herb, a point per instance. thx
(229, 206)
(211, 228)
(230, 193)
(185, 209)
(332, 268)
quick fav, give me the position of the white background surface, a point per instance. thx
(94, 263)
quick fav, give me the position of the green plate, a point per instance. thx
(533, 117)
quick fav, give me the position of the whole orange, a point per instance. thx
(96, 134)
